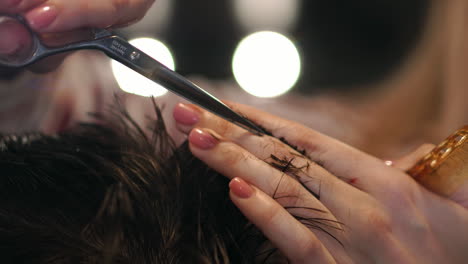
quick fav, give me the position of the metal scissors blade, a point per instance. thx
(119, 49)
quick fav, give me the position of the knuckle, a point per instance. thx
(289, 194)
(400, 195)
(419, 226)
(217, 124)
(232, 155)
(278, 147)
(405, 204)
(222, 127)
(306, 140)
(277, 154)
(378, 223)
(270, 217)
(308, 249)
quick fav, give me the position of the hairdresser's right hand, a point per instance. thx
(349, 207)
(59, 16)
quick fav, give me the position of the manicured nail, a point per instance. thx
(202, 139)
(42, 17)
(241, 188)
(186, 115)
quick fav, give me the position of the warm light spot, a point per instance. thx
(266, 64)
(131, 81)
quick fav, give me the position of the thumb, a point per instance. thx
(15, 39)
(406, 162)
(460, 195)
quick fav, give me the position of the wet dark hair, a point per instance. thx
(110, 192)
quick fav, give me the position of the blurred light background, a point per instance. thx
(131, 81)
(273, 47)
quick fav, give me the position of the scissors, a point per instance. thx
(120, 50)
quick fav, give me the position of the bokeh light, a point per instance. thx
(131, 81)
(266, 64)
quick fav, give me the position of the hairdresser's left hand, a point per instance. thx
(378, 213)
(63, 21)
(55, 16)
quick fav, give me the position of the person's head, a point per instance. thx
(111, 193)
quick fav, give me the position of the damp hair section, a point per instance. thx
(111, 191)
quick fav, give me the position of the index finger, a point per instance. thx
(292, 238)
(18, 6)
(362, 170)
(59, 15)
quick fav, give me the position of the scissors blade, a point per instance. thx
(197, 95)
(122, 51)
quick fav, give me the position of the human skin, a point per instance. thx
(55, 17)
(57, 97)
(421, 101)
(378, 212)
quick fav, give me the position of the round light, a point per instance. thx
(266, 64)
(131, 81)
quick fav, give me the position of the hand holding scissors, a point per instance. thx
(119, 49)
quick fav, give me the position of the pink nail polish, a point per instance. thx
(241, 188)
(202, 139)
(42, 17)
(185, 115)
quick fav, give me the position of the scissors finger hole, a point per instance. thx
(16, 42)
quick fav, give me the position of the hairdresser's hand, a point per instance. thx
(59, 16)
(385, 216)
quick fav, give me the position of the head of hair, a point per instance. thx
(109, 192)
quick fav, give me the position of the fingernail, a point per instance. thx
(185, 115)
(202, 139)
(241, 188)
(42, 17)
